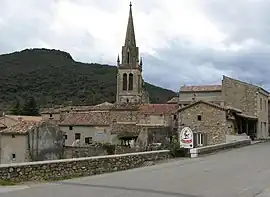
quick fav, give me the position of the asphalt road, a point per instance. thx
(242, 172)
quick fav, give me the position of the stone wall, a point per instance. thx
(213, 122)
(240, 95)
(69, 168)
(77, 152)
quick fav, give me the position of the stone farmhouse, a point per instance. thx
(216, 113)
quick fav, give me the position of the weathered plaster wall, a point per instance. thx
(59, 169)
(97, 133)
(13, 145)
(45, 142)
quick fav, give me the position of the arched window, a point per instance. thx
(125, 81)
(130, 81)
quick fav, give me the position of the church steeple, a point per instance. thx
(130, 34)
(130, 52)
(129, 76)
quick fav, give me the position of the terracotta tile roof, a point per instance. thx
(21, 127)
(158, 108)
(203, 88)
(26, 118)
(174, 100)
(87, 118)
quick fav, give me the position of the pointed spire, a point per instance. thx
(141, 62)
(130, 35)
(118, 59)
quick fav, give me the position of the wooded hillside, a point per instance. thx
(53, 77)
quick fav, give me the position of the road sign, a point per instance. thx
(186, 138)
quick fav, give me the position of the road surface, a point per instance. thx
(242, 172)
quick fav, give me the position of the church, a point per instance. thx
(131, 118)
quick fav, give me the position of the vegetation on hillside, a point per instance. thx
(28, 108)
(52, 77)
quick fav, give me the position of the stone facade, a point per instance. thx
(130, 87)
(240, 95)
(209, 93)
(251, 99)
(68, 168)
(208, 119)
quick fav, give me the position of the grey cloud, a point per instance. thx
(242, 19)
(186, 64)
(25, 25)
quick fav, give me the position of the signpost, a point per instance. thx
(186, 138)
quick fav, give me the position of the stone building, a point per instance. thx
(209, 93)
(130, 84)
(30, 141)
(213, 124)
(247, 103)
(249, 98)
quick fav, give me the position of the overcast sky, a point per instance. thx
(181, 41)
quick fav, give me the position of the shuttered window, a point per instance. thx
(200, 139)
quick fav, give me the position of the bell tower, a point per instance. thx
(129, 76)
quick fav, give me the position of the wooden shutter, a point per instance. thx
(195, 140)
(204, 139)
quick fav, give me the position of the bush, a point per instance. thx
(175, 149)
(110, 148)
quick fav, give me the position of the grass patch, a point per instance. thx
(6, 183)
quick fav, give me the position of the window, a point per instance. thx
(265, 105)
(127, 100)
(174, 117)
(50, 115)
(261, 103)
(13, 136)
(88, 140)
(199, 117)
(125, 81)
(130, 81)
(70, 127)
(65, 137)
(13, 156)
(77, 136)
(199, 139)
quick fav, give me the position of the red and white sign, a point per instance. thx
(186, 138)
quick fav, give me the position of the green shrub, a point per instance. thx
(175, 149)
(110, 148)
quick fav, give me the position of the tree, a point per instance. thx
(30, 107)
(16, 109)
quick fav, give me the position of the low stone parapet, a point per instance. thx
(195, 152)
(76, 167)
